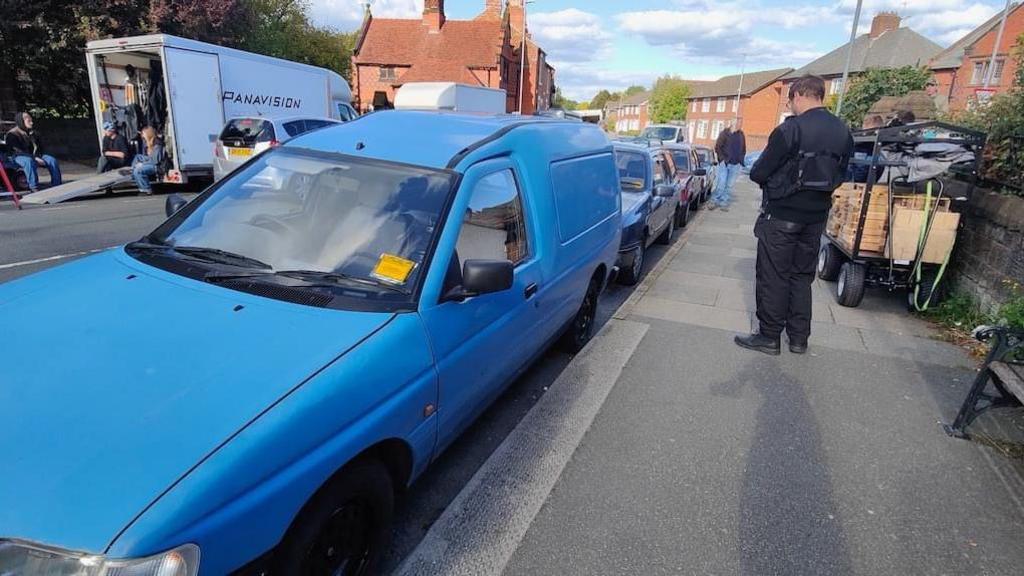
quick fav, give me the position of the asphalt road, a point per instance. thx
(37, 238)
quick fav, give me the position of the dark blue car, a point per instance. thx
(649, 205)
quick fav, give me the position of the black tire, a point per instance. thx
(830, 261)
(670, 229)
(630, 276)
(930, 291)
(581, 328)
(344, 528)
(850, 290)
(683, 215)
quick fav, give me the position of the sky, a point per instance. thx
(612, 44)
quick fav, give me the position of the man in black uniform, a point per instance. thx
(805, 161)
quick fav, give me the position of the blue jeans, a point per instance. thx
(727, 175)
(141, 173)
(28, 165)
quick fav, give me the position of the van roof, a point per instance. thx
(426, 138)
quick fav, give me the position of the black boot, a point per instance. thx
(759, 343)
(798, 346)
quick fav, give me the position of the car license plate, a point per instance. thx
(239, 152)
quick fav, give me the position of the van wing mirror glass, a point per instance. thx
(665, 190)
(174, 203)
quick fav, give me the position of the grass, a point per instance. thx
(959, 314)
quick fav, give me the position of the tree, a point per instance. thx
(868, 88)
(669, 99)
(634, 89)
(600, 99)
(560, 101)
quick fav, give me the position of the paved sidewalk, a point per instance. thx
(703, 458)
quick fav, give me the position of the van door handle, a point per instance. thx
(530, 291)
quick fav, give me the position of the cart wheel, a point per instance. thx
(830, 260)
(850, 290)
(930, 291)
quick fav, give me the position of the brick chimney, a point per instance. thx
(433, 14)
(884, 22)
(517, 14)
(492, 6)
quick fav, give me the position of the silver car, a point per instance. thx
(243, 138)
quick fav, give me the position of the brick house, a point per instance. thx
(887, 45)
(713, 105)
(960, 70)
(631, 113)
(484, 51)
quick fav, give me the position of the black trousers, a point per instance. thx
(787, 254)
(107, 163)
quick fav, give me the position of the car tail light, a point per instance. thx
(274, 143)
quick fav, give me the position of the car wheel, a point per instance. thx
(581, 329)
(683, 215)
(670, 229)
(830, 260)
(850, 290)
(344, 528)
(630, 276)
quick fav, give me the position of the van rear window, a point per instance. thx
(586, 192)
(247, 131)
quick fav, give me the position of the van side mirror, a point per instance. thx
(174, 203)
(665, 190)
(700, 172)
(482, 277)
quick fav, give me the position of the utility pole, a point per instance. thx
(849, 57)
(522, 62)
(739, 91)
(995, 47)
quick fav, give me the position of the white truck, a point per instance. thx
(203, 86)
(450, 96)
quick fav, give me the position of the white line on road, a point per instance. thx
(51, 258)
(482, 528)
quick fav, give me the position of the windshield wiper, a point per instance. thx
(312, 277)
(221, 256)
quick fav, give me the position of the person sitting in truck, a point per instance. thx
(147, 164)
(29, 153)
(114, 153)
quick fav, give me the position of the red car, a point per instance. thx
(688, 175)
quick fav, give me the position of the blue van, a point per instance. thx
(248, 386)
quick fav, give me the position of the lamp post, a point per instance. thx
(522, 61)
(995, 47)
(849, 57)
(739, 90)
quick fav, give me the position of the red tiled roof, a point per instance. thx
(460, 43)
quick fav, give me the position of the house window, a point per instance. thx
(693, 106)
(734, 100)
(835, 86)
(387, 73)
(720, 105)
(981, 69)
(717, 128)
(705, 105)
(702, 129)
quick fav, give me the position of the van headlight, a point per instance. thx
(17, 557)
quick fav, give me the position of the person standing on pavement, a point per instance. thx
(729, 165)
(114, 154)
(29, 153)
(804, 162)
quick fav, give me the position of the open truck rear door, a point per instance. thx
(196, 115)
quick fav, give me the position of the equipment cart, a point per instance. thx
(899, 233)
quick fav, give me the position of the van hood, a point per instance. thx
(123, 377)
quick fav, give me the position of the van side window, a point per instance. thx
(662, 173)
(494, 226)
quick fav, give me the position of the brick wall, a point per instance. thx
(758, 111)
(981, 51)
(710, 117)
(990, 248)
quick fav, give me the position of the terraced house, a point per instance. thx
(485, 51)
(752, 97)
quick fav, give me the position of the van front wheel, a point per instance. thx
(581, 329)
(344, 528)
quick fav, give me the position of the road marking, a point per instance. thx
(51, 258)
(481, 529)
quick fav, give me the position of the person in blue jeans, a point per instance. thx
(729, 168)
(147, 164)
(28, 152)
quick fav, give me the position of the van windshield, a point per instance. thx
(293, 209)
(660, 133)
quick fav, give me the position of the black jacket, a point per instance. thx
(816, 132)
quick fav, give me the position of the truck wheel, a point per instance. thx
(683, 215)
(344, 528)
(630, 276)
(581, 329)
(670, 229)
(850, 290)
(830, 260)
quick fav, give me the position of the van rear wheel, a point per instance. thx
(581, 329)
(344, 528)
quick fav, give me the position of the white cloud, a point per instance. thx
(571, 35)
(348, 14)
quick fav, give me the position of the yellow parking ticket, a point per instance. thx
(394, 269)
